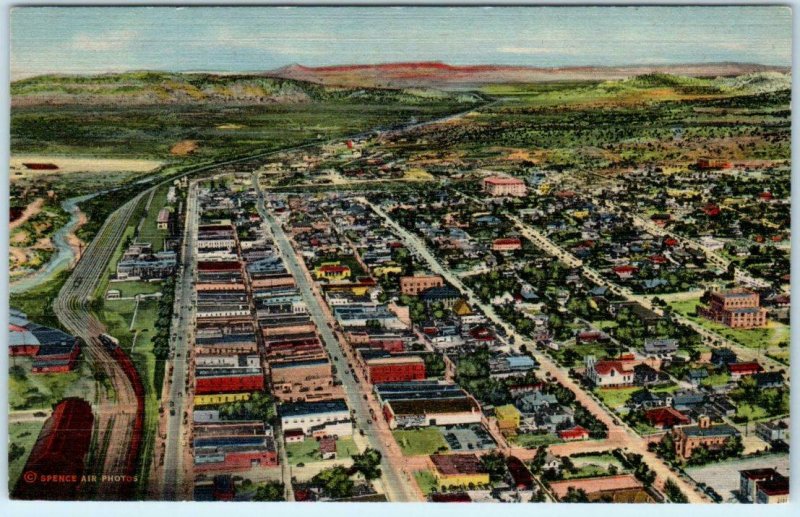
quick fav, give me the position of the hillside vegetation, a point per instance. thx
(145, 88)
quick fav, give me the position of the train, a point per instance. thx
(111, 344)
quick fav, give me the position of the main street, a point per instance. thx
(174, 484)
(395, 485)
(618, 433)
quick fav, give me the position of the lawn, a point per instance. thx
(345, 447)
(418, 442)
(42, 390)
(131, 288)
(304, 452)
(745, 410)
(773, 338)
(533, 440)
(23, 434)
(586, 471)
(601, 460)
(617, 397)
(718, 379)
(426, 481)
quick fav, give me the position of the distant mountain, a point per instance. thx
(441, 75)
(143, 88)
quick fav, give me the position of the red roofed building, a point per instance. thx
(58, 454)
(523, 480)
(610, 372)
(574, 434)
(450, 497)
(625, 271)
(670, 242)
(665, 418)
(739, 370)
(713, 163)
(506, 244)
(711, 210)
(499, 186)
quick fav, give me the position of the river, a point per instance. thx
(64, 254)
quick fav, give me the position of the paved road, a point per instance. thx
(619, 434)
(174, 484)
(396, 486)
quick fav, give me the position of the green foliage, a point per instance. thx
(269, 491)
(335, 482)
(674, 492)
(368, 464)
(495, 465)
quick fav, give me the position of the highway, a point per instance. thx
(173, 482)
(395, 485)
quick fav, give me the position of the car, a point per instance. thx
(172, 412)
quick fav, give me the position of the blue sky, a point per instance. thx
(79, 40)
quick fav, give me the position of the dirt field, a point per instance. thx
(30, 211)
(184, 147)
(73, 165)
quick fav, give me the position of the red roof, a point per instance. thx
(575, 432)
(334, 269)
(666, 417)
(711, 209)
(460, 497)
(627, 268)
(605, 367)
(503, 181)
(744, 367)
(669, 241)
(658, 259)
(506, 241)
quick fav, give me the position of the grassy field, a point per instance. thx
(307, 451)
(418, 442)
(23, 434)
(426, 481)
(42, 390)
(533, 440)
(37, 303)
(616, 397)
(772, 339)
(131, 288)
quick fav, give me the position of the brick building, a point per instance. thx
(413, 285)
(737, 308)
(500, 186)
(706, 435)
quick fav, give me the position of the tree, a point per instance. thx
(575, 496)
(674, 492)
(334, 482)
(495, 465)
(368, 464)
(269, 491)
(15, 451)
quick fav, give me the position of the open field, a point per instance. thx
(29, 390)
(723, 477)
(24, 435)
(616, 397)
(419, 442)
(74, 164)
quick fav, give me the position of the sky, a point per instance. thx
(86, 40)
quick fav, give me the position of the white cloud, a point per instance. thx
(104, 41)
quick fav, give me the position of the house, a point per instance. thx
(644, 375)
(695, 376)
(774, 491)
(665, 417)
(446, 295)
(660, 346)
(456, 470)
(164, 220)
(573, 434)
(739, 370)
(332, 271)
(686, 399)
(606, 372)
(625, 272)
(704, 434)
(772, 431)
(766, 380)
(327, 447)
(723, 356)
(646, 399)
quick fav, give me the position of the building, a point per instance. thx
(413, 285)
(52, 350)
(736, 308)
(621, 488)
(427, 412)
(506, 244)
(665, 417)
(508, 418)
(765, 485)
(332, 272)
(232, 446)
(459, 470)
(58, 454)
(609, 372)
(574, 434)
(308, 415)
(739, 370)
(704, 434)
(164, 220)
(772, 431)
(713, 163)
(228, 380)
(521, 476)
(502, 186)
(398, 368)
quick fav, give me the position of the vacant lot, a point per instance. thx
(724, 477)
(419, 442)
